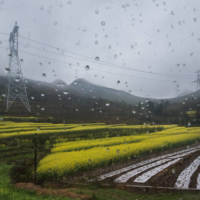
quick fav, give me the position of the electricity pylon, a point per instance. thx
(197, 80)
(16, 87)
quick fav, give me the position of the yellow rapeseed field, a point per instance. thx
(12, 129)
(61, 164)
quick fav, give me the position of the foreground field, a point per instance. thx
(98, 153)
(9, 192)
(84, 147)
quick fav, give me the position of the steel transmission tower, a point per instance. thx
(16, 88)
(197, 80)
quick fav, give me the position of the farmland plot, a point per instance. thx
(142, 172)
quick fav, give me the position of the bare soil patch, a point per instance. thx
(169, 176)
(70, 192)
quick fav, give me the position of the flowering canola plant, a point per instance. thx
(12, 129)
(61, 164)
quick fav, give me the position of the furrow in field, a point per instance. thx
(116, 172)
(183, 180)
(125, 177)
(198, 181)
(146, 176)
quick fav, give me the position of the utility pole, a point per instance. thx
(35, 159)
(16, 87)
(197, 80)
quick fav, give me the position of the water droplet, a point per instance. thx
(42, 95)
(103, 23)
(7, 70)
(17, 79)
(89, 161)
(172, 12)
(115, 56)
(65, 92)
(76, 109)
(97, 58)
(117, 151)
(60, 4)
(1, 1)
(96, 42)
(21, 60)
(107, 104)
(43, 75)
(69, 2)
(55, 23)
(78, 43)
(42, 108)
(87, 67)
(189, 124)
(97, 12)
(195, 19)
(41, 8)
(84, 29)
(32, 97)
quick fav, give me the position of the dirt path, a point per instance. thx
(54, 192)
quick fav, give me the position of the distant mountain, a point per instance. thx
(83, 88)
(59, 83)
(192, 95)
(88, 89)
(185, 92)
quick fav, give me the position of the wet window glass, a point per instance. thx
(98, 95)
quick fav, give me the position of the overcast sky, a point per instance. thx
(161, 39)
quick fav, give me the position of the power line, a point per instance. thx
(105, 63)
(99, 62)
(82, 67)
